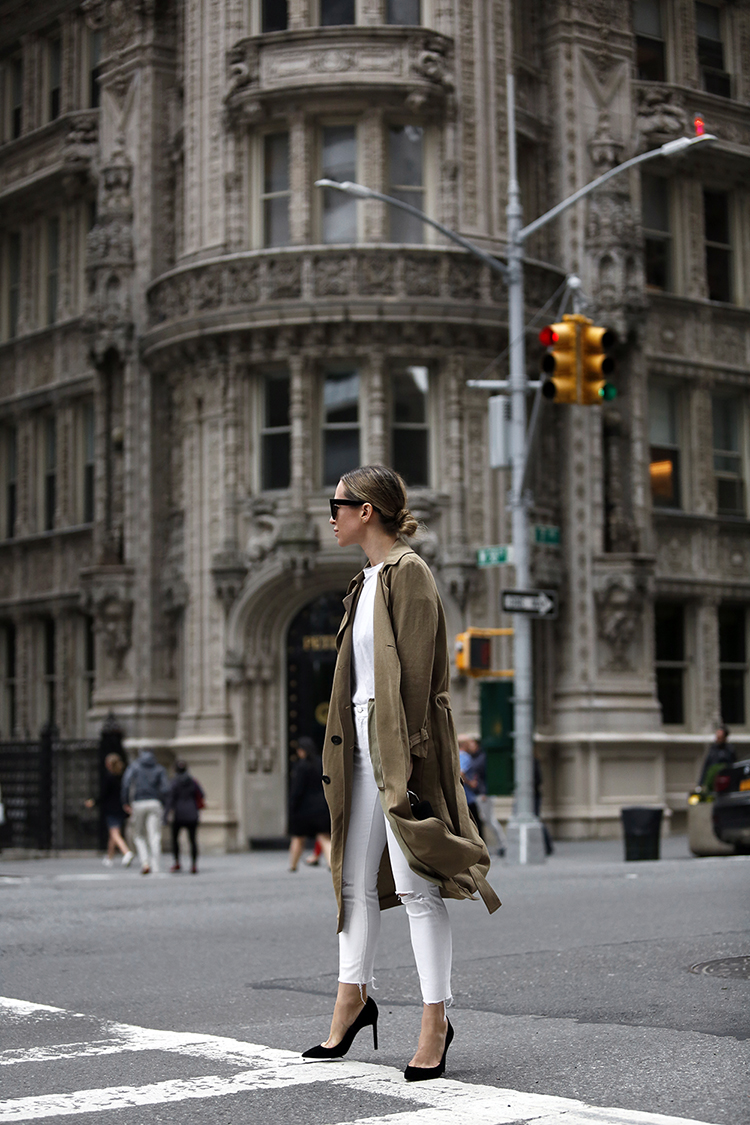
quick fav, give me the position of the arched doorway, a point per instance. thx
(311, 659)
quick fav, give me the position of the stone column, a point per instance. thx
(376, 438)
(300, 157)
(298, 14)
(705, 686)
(373, 164)
(299, 417)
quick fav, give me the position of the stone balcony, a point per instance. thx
(63, 150)
(310, 286)
(398, 67)
(665, 111)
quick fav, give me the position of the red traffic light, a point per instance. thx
(548, 336)
(700, 128)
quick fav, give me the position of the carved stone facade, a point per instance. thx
(190, 351)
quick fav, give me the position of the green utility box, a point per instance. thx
(496, 706)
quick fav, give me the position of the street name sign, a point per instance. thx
(546, 534)
(494, 556)
(537, 603)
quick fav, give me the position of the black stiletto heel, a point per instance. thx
(422, 1073)
(366, 1018)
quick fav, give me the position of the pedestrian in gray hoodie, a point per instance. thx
(144, 791)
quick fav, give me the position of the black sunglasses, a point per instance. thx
(336, 504)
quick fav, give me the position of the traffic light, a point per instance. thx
(473, 654)
(559, 363)
(596, 365)
(577, 362)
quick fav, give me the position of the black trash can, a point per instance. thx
(642, 829)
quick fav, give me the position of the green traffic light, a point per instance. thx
(608, 392)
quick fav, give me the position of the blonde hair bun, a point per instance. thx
(385, 489)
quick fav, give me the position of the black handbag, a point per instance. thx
(420, 810)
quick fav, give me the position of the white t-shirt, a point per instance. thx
(363, 640)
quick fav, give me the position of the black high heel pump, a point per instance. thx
(422, 1073)
(366, 1018)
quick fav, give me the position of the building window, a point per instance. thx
(9, 453)
(649, 41)
(54, 77)
(50, 471)
(95, 69)
(8, 677)
(53, 268)
(405, 155)
(14, 283)
(276, 189)
(89, 662)
(716, 80)
(733, 663)
(410, 423)
(339, 162)
(273, 15)
(664, 467)
(727, 425)
(718, 246)
(50, 664)
(404, 12)
(671, 664)
(89, 462)
(14, 98)
(276, 434)
(334, 13)
(657, 235)
(340, 424)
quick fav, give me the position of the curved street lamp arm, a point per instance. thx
(362, 192)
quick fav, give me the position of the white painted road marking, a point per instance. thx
(442, 1102)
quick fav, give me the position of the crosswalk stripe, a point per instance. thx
(441, 1102)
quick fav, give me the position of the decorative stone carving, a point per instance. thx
(109, 261)
(661, 115)
(416, 65)
(264, 530)
(620, 606)
(229, 570)
(108, 596)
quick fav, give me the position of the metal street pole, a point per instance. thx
(524, 832)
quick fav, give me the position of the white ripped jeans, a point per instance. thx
(368, 835)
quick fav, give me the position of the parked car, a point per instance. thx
(731, 808)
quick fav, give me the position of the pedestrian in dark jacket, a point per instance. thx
(720, 753)
(308, 810)
(110, 803)
(143, 793)
(184, 799)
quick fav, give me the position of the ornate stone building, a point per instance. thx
(195, 342)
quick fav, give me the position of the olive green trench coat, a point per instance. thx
(410, 721)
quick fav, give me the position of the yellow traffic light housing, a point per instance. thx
(577, 362)
(596, 365)
(560, 361)
(474, 653)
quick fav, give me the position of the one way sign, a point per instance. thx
(537, 603)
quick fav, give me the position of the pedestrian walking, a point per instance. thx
(471, 769)
(185, 799)
(401, 829)
(720, 753)
(110, 803)
(548, 845)
(143, 793)
(473, 762)
(308, 811)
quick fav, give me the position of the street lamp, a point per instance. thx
(524, 833)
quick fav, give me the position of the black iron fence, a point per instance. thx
(45, 785)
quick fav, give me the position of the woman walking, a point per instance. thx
(400, 827)
(114, 814)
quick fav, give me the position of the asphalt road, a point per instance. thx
(578, 988)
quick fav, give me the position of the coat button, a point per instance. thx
(336, 740)
(326, 779)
